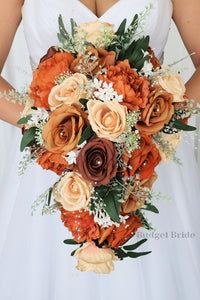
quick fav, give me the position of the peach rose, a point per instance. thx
(108, 119)
(45, 75)
(64, 128)
(173, 85)
(73, 192)
(93, 259)
(173, 140)
(158, 112)
(93, 32)
(69, 91)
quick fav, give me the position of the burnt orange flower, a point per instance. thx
(132, 204)
(153, 59)
(45, 75)
(103, 59)
(126, 82)
(143, 160)
(64, 128)
(81, 224)
(158, 112)
(54, 162)
(117, 236)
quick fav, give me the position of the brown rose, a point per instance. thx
(143, 160)
(54, 162)
(63, 131)
(97, 161)
(126, 82)
(103, 59)
(117, 236)
(158, 112)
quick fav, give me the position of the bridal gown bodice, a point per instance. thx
(35, 264)
(40, 19)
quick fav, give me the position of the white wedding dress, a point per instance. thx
(34, 262)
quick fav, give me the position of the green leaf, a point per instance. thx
(73, 252)
(28, 138)
(120, 253)
(73, 26)
(134, 246)
(151, 208)
(87, 134)
(182, 126)
(24, 120)
(84, 102)
(70, 242)
(62, 29)
(121, 28)
(137, 254)
(112, 207)
(49, 196)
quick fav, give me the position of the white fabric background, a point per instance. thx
(17, 71)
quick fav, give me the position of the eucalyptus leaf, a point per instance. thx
(87, 134)
(73, 252)
(134, 246)
(137, 254)
(121, 28)
(24, 120)
(120, 253)
(49, 196)
(182, 126)
(152, 208)
(70, 242)
(73, 26)
(28, 138)
(112, 207)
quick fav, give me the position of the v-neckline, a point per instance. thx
(93, 14)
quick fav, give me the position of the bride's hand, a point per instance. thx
(10, 17)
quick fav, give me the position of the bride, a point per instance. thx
(34, 264)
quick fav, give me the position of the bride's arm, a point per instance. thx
(10, 17)
(187, 18)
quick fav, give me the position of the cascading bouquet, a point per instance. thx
(102, 113)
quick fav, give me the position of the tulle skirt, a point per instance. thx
(36, 265)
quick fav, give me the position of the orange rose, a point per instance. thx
(63, 131)
(103, 59)
(127, 82)
(153, 59)
(133, 202)
(81, 224)
(45, 75)
(158, 112)
(143, 160)
(117, 236)
(54, 162)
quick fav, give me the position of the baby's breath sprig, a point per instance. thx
(15, 97)
(62, 78)
(130, 138)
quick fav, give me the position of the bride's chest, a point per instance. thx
(40, 20)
